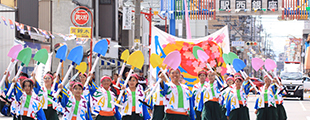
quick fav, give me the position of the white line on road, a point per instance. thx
(303, 107)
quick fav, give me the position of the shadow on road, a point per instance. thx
(295, 99)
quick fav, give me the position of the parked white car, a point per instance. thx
(306, 84)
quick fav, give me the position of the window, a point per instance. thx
(307, 79)
(105, 2)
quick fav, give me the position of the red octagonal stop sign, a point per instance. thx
(81, 17)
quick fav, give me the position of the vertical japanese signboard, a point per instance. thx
(256, 4)
(127, 18)
(224, 4)
(241, 4)
(272, 5)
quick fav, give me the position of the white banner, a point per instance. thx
(43, 69)
(214, 45)
(127, 14)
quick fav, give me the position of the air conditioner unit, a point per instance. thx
(87, 3)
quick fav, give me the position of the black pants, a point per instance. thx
(211, 111)
(223, 114)
(99, 117)
(22, 118)
(133, 116)
(281, 112)
(176, 117)
(267, 113)
(241, 113)
(198, 114)
(51, 114)
(159, 112)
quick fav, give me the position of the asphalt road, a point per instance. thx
(295, 109)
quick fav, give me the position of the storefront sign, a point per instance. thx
(81, 32)
(81, 17)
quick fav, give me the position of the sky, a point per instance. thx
(280, 31)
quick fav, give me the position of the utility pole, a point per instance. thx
(252, 39)
(172, 20)
(183, 28)
(97, 74)
(137, 20)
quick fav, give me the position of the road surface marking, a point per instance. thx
(303, 107)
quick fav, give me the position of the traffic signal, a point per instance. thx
(251, 43)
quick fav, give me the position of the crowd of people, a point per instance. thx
(214, 97)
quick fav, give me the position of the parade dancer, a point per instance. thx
(4, 102)
(211, 107)
(49, 107)
(133, 109)
(6, 106)
(21, 78)
(279, 101)
(58, 80)
(197, 93)
(158, 100)
(90, 89)
(142, 81)
(178, 103)
(27, 104)
(82, 78)
(74, 107)
(236, 104)
(237, 75)
(69, 86)
(226, 75)
(265, 104)
(37, 87)
(224, 95)
(182, 81)
(102, 101)
(88, 92)
(114, 81)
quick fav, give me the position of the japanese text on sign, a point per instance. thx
(240, 4)
(127, 18)
(81, 17)
(257, 4)
(225, 4)
(237, 43)
(81, 32)
(272, 4)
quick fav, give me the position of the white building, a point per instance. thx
(7, 36)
